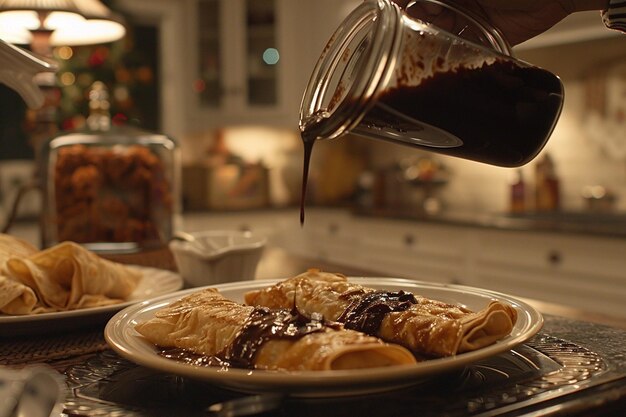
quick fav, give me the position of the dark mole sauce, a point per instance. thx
(366, 312)
(308, 140)
(502, 112)
(262, 326)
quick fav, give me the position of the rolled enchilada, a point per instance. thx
(427, 327)
(208, 324)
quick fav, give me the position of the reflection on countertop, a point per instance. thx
(605, 224)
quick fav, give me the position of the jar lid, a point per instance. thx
(357, 60)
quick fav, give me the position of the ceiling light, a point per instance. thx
(69, 22)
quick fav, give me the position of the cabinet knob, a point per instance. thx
(456, 281)
(555, 257)
(409, 240)
(333, 229)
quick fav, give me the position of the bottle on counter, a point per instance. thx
(547, 192)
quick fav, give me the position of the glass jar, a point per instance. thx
(112, 189)
(448, 85)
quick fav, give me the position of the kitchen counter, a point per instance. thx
(572, 222)
(611, 225)
(586, 223)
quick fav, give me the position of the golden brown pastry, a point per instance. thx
(64, 277)
(13, 246)
(427, 327)
(206, 323)
(15, 297)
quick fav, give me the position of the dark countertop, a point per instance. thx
(584, 223)
(611, 225)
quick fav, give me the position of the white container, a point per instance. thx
(216, 257)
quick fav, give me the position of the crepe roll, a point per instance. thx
(429, 328)
(11, 246)
(67, 276)
(206, 323)
(15, 297)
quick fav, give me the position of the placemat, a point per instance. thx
(50, 348)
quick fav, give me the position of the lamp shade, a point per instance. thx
(70, 22)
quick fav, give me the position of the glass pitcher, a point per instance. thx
(400, 76)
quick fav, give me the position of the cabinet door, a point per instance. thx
(413, 250)
(251, 59)
(586, 273)
(262, 57)
(238, 65)
(332, 237)
(209, 85)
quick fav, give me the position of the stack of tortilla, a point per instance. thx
(63, 277)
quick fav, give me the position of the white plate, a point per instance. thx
(125, 340)
(154, 282)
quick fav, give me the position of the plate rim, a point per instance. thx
(120, 336)
(12, 319)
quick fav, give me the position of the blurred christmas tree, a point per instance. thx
(129, 68)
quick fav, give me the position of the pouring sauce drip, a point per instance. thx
(308, 141)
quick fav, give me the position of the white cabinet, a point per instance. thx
(391, 248)
(250, 59)
(584, 272)
(580, 271)
(415, 250)
(211, 58)
(236, 63)
(327, 235)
